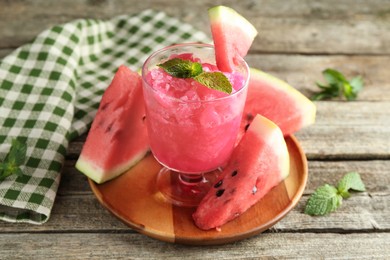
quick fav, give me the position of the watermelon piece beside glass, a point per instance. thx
(258, 163)
(117, 139)
(275, 99)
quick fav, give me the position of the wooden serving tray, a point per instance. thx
(133, 198)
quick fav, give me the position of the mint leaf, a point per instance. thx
(324, 200)
(14, 159)
(180, 68)
(356, 85)
(17, 153)
(352, 181)
(338, 86)
(215, 80)
(333, 76)
(328, 92)
(327, 198)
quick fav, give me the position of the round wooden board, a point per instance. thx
(132, 198)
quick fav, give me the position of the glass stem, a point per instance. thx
(191, 179)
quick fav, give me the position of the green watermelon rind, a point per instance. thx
(98, 175)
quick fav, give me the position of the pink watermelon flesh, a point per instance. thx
(117, 138)
(258, 163)
(277, 101)
(232, 35)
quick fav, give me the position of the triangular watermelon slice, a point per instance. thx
(258, 163)
(278, 101)
(232, 35)
(117, 139)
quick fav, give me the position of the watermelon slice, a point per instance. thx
(277, 101)
(232, 35)
(117, 138)
(258, 163)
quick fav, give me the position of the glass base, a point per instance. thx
(185, 190)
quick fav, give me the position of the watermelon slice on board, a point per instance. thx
(278, 101)
(117, 139)
(232, 35)
(258, 163)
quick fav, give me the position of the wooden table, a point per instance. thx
(297, 40)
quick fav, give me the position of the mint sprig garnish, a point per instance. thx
(180, 68)
(215, 80)
(328, 198)
(14, 159)
(338, 86)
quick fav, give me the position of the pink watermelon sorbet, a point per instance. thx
(191, 127)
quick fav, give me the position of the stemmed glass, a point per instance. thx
(191, 137)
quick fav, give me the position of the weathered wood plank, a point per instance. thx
(5, 52)
(360, 213)
(294, 27)
(302, 71)
(374, 173)
(135, 246)
(349, 130)
(302, 35)
(76, 209)
(343, 130)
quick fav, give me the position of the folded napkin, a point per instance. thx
(50, 90)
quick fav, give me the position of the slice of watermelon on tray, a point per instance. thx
(258, 163)
(117, 139)
(275, 99)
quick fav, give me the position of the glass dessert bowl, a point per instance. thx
(192, 128)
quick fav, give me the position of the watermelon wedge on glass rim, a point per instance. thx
(267, 95)
(117, 139)
(232, 35)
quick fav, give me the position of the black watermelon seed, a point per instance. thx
(109, 127)
(218, 184)
(219, 192)
(104, 107)
(234, 173)
(246, 127)
(249, 117)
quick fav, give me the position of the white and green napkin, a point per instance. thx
(50, 90)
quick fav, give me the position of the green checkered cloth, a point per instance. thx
(50, 91)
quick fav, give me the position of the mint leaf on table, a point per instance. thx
(338, 86)
(14, 159)
(323, 201)
(352, 181)
(328, 198)
(180, 68)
